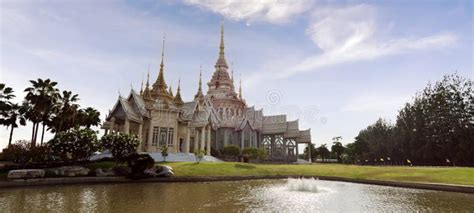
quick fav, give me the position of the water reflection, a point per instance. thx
(258, 195)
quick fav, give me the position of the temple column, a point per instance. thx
(196, 140)
(225, 137)
(203, 137)
(126, 127)
(140, 136)
(186, 143)
(309, 151)
(217, 139)
(150, 138)
(242, 140)
(208, 145)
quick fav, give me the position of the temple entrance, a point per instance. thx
(181, 144)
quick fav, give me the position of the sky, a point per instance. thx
(337, 66)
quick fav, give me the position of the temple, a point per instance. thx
(209, 122)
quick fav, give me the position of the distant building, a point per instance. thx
(210, 121)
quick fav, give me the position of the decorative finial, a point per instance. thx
(163, 50)
(141, 86)
(240, 86)
(221, 47)
(199, 92)
(232, 71)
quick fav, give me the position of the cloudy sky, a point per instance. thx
(335, 65)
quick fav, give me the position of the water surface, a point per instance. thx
(231, 196)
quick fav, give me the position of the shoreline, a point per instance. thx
(41, 182)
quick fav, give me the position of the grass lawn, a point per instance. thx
(446, 175)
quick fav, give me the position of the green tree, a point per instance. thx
(323, 151)
(89, 117)
(314, 152)
(337, 148)
(120, 145)
(40, 99)
(66, 112)
(77, 144)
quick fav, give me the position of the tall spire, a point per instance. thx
(177, 99)
(221, 62)
(170, 91)
(160, 87)
(141, 87)
(221, 47)
(240, 87)
(199, 92)
(146, 92)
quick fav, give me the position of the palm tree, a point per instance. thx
(89, 117)
(6, 94)
(65, 116)
(40, 99)
(15, 114)
(9, 112)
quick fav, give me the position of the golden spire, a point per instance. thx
(240, 87)
(141, 87)
(170, 91)
(146, 93)
(221, 62)
(199, 93)
(221, 47)
(160, 87)
(177, 99)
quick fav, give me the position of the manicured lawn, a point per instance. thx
(446, 175)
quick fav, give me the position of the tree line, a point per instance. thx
(435, 129)
(46, 107)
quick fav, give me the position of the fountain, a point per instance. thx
(302, 185)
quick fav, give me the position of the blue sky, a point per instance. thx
(336, 65)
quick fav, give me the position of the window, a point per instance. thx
(156, 131)
(279, 145)
(267, 144)
(170, 137)
(291, 144)
(163, 136)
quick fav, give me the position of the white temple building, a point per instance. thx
(209, 122)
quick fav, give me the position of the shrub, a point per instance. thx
(40, 154)
(122, 146)
(76, 144)
(199, 155)
(254, 153)
(231, 150)
(17, 152)
(164, 152)
(139, 162)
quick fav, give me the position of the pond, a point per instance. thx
(292, 195)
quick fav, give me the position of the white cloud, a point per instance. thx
(349, 34)
(277, 11)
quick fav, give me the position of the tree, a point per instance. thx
(337, 148)
(122, 146)
(77, 144)
(314, 153)
(66, 112)
(254, 153)
(231, 150)
(10, 113)
(436, 128)
(40, 99)
(323, 152)
(14, 115)
(89, 117)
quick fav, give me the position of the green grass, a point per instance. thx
(444, 175)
